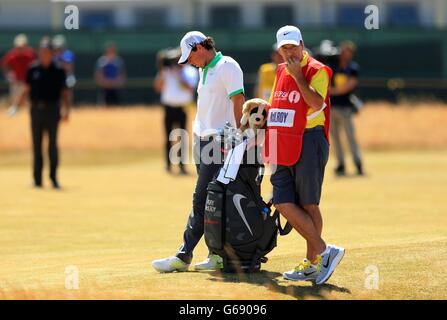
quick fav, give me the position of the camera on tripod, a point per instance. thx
(327, 53)
(168, 57)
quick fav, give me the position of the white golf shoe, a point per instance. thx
(171, 264)
(328, 261)
(213, 262)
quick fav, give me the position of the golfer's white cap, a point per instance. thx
(288, 35)
(188, 42)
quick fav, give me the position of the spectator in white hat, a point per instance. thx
(15, 63)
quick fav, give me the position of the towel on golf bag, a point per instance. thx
(233, 160)
(239, 225)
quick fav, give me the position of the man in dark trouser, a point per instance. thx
(44, 118)
(45, 86)
(173, 115)
(205, 171)
(175, 83)
(220, 100)
(344, 82)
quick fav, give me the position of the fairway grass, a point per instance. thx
(119, 210)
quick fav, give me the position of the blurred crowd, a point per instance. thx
(109, 73)
(177, 85)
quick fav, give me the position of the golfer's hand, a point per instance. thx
(294, 68)
(12, 111)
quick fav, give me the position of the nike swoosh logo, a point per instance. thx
(286, 33)
(309, 273)
(327, 262)
(237, 203)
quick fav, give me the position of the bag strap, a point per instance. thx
(256, 258)
(287, 227)
(260, 176)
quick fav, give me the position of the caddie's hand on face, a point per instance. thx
(293, 67)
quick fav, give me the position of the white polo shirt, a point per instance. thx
(220, 80)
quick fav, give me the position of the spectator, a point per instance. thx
(15, 63)
(65, 58)
(176, 83)
(110, 75)
(47, 91)
(344, 105)
(266, 75)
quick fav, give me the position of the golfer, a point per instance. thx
(220, 99)
(299, 119)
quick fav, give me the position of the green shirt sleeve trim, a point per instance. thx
(236, 92)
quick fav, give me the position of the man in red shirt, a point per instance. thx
(15, 64)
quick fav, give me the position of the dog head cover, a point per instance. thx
(254, 114)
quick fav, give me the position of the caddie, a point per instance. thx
(220, 99)
(297, 143)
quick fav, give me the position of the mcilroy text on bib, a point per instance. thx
(281, 118)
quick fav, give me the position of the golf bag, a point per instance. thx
(239, 225)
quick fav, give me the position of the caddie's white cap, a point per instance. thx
(288, 35)
(188, 42)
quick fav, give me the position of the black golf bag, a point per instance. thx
(239, 225)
